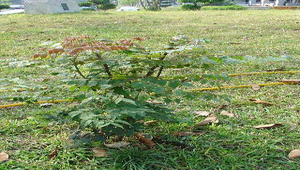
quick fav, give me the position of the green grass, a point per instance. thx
(29, 133)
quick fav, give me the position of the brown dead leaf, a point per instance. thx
(221, 107)
(148, 142)
(53, 153)
(292, 81)
(47, 104)
(3, 156)
(294, 154)
(225, 113)
(255, 87)
(25, 39)
(154, 102)
(116, 145)
(260, 102)
(147, 123)
(235, 43)
(202, 113)
(99, 153)
(269, 126)
(187, 133)
(277, 69)
(208, 120)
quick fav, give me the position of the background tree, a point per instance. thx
(129, 2)
(198, 3)
(4, 6)
(149, 5)
(107, 6)
(85, 4)
(103, 4)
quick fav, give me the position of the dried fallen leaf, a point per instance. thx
(277, 69)
(202, 113)
(99, 153)
(52, 154)
(116, 145)
(3, 156)
(225, 113)
(187, 133)
(148, 142)
(255, 87)
(269, 126)
(293, 81)
(25, 39)
(294, 154)
(147, 123)
(221, 107)
(208, 120)
(260, 102)
(235, 43)
(154, 102)
(47, 104)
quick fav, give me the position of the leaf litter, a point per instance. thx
(226, 113)
(202, 113)
(294, 154)
(208, 120)
(268, 126)
(3, 156)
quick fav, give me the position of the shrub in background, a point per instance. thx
(189, 7)
(103, 4)
(105, 7)
(85, 4)
(4, 6)
(187, 4)
(230, 7)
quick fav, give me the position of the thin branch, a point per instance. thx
(152, 69)
(159, 71)
(143, 5)
(77, 69)
(106, 68)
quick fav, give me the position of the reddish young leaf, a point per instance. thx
(42, 55)
(56, 51)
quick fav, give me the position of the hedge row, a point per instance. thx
(230, 7)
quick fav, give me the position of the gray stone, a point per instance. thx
(50, 6)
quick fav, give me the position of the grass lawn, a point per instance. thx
(30, 133)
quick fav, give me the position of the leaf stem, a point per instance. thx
(77, 68)
(106, 67)
(151, 70)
